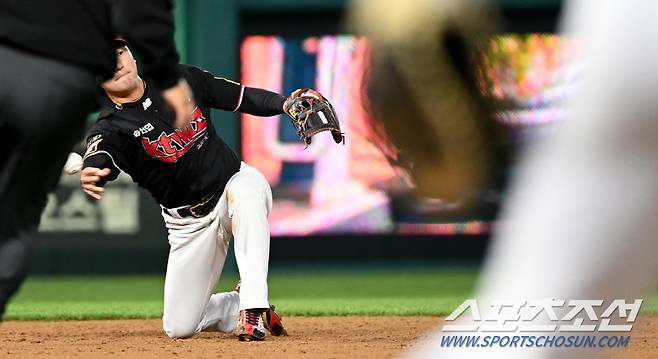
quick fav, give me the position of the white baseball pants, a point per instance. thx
(198, 248)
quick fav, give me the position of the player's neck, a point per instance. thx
(128, 97)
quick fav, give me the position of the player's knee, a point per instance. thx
(179, 333)
(180, 330)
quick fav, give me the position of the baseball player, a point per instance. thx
(52, 54)
(208, 196)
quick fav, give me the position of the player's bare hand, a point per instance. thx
(181, 101)
(89, 178)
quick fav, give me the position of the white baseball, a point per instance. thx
(73, 164)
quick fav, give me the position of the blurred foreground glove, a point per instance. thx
(422, 87)
(311, 114)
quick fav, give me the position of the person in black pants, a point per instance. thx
(54, 54)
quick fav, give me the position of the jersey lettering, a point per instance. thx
(170, 147)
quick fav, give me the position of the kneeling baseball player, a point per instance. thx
(208, 196)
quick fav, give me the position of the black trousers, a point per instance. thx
(43, 108)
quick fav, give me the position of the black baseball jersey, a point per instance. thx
(177, 166)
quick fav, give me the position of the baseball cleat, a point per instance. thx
(273, 323)
(250, 325)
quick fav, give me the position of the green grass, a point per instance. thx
(408, 292)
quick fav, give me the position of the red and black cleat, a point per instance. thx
(250, 325)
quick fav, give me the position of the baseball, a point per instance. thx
(73, 164)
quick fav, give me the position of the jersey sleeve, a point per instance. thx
(261, 102)
(228, 95)
(103, 152)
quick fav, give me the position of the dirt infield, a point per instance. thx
(331, 337)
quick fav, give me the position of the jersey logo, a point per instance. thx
(92, 146)
(143, 130)
(169, 147)
(147, 103)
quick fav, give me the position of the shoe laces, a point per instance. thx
(252, 317)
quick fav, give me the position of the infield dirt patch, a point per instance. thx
(316, 337)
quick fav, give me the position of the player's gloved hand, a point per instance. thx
(181, 101)
(89, 178)
(311, 114)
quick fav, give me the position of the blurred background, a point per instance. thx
(349, 236)
(332, 204)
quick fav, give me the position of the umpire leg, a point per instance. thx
(43, 106)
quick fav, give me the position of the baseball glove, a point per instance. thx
(311, 114)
